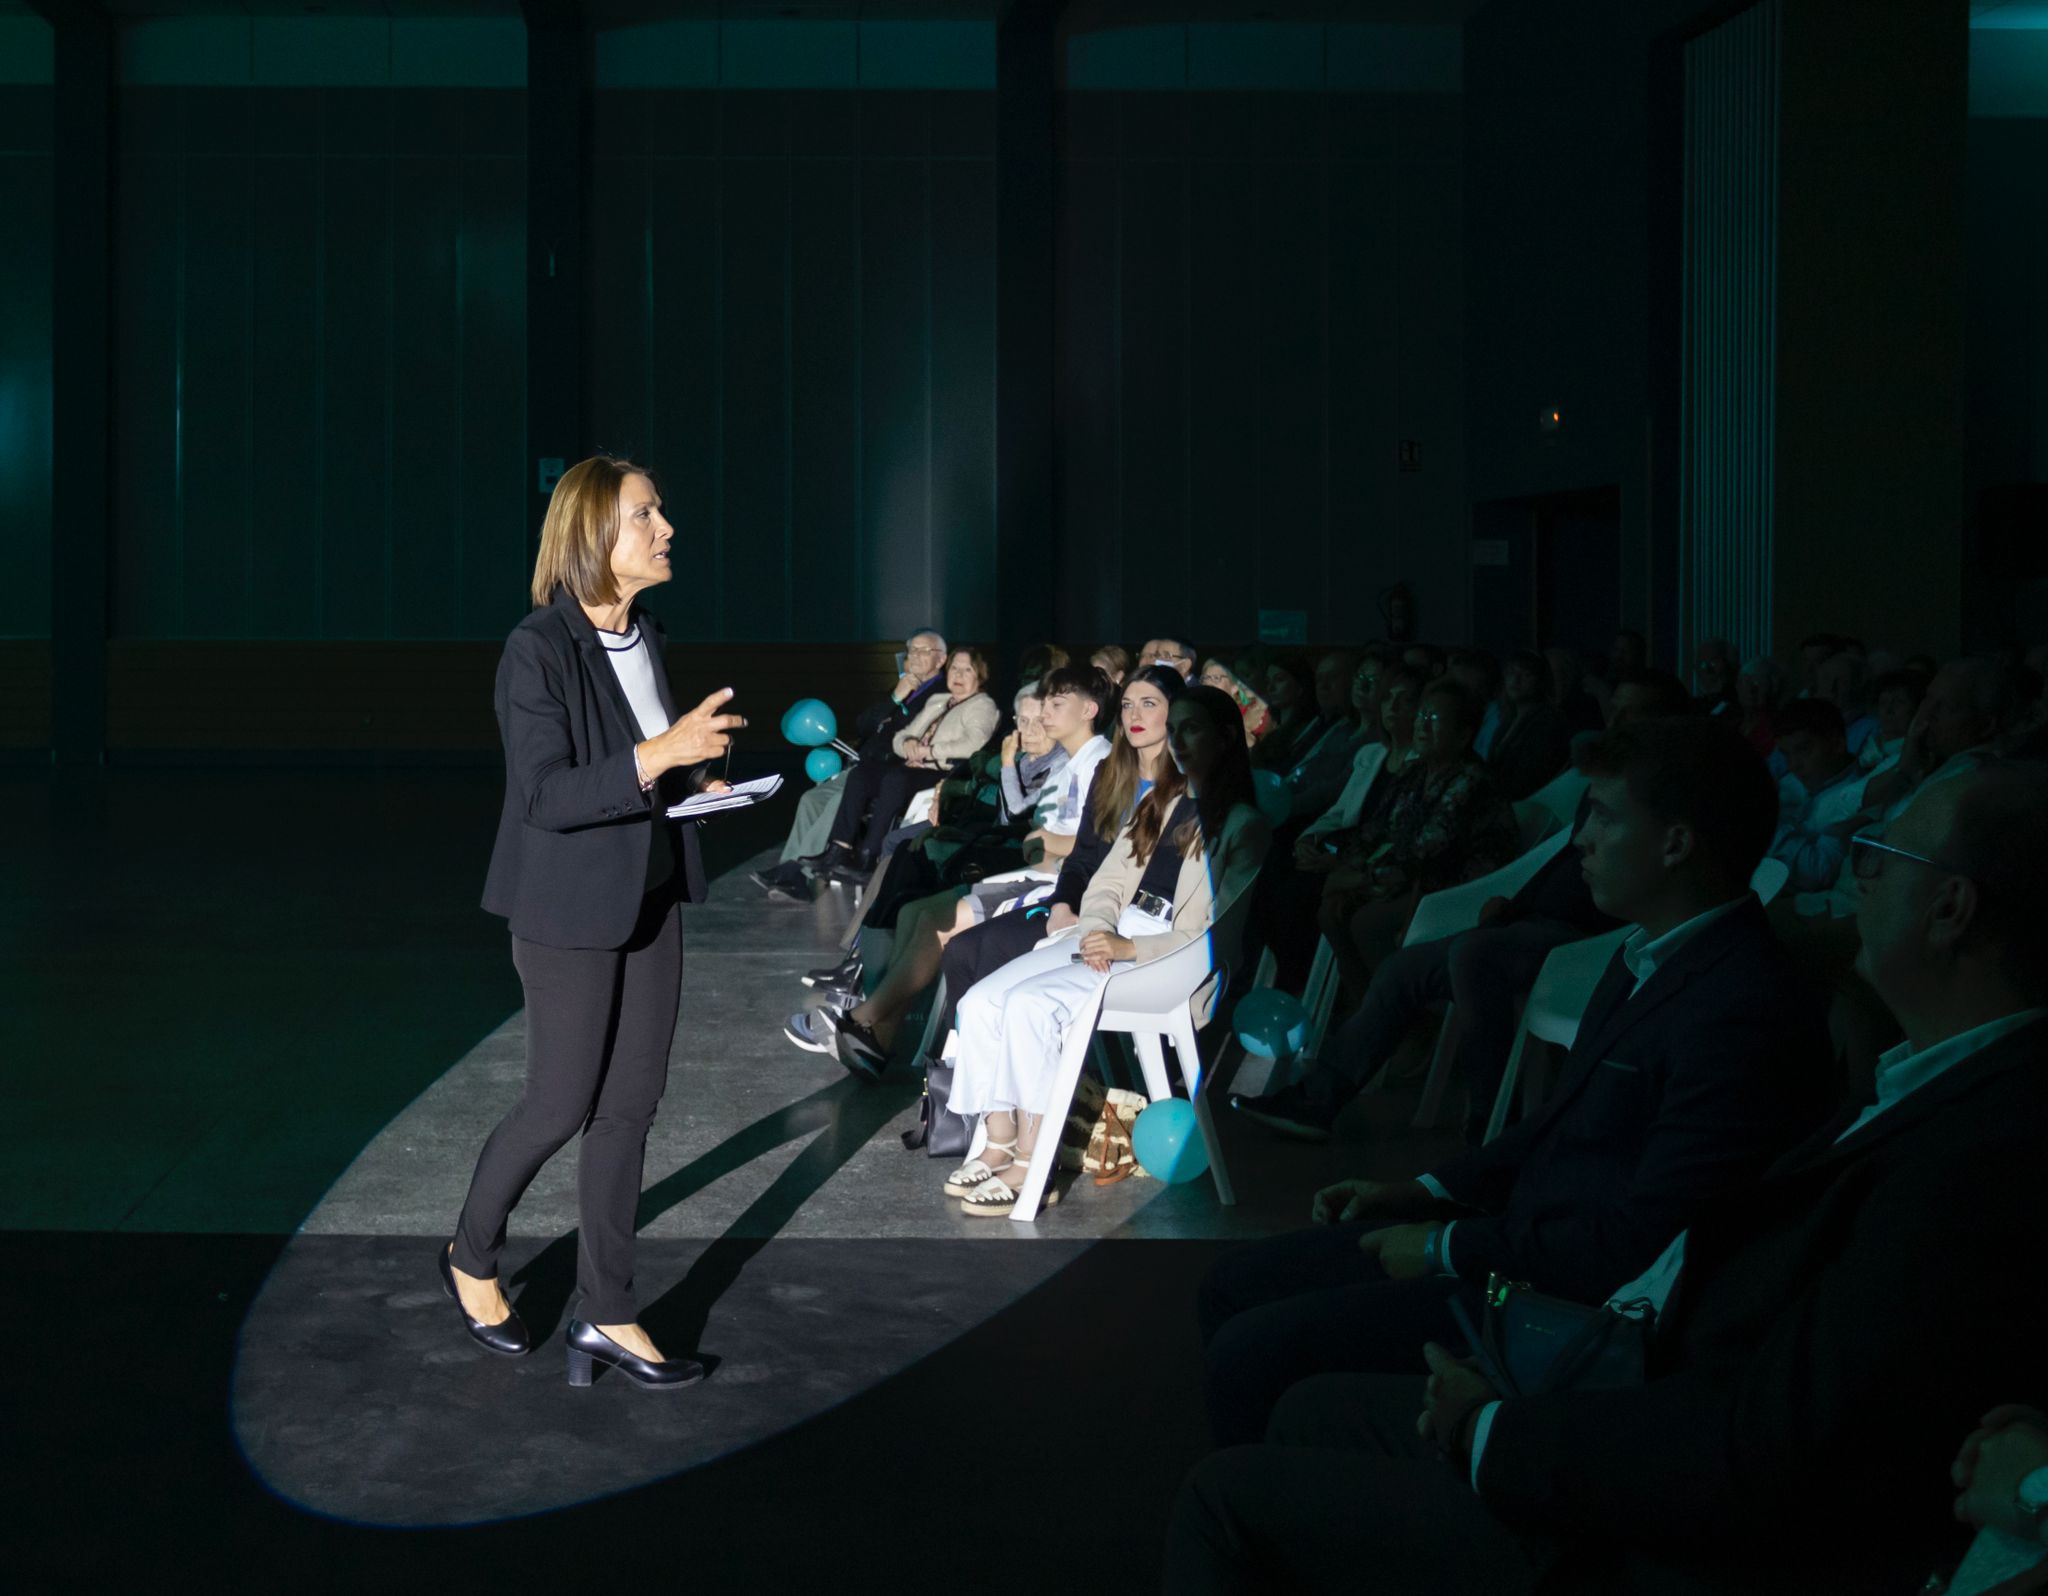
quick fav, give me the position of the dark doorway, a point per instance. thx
(1546, 570)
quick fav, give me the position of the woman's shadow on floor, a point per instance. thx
(845, 1116)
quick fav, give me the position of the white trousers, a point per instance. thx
(1013, 1023)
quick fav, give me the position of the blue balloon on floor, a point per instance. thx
(809, 723)
(822, 764)
(1275, 802)
(1168, 1142)
(1270, 1023)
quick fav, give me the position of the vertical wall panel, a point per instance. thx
(824, 345)
(753, 380)
(26, 200)
(896, 531)
(962, 458)
(1260, 295)
(685, 436)
(1728, 424)
(318, 343)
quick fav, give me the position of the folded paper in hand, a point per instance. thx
(742, 794)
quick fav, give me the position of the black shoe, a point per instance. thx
(588, 1345)
(859, 1050)
(821, 863)
(507, 1338)
(845, 973)
(852, 871)
(1288, 1111)
(786, 883)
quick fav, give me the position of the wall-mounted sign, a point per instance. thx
(1489, 551)
(1283, 626)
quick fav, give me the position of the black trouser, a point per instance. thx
(1343, 1497)
(1278, 1311)
(599, 1022)
(981, 950)
(876, 792)
(1482, 971)
(1283, 918)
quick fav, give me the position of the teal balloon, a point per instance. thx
(809, 723)
(822, 764)
(1270, 1023)
(1275, 802)
(1168, 1142)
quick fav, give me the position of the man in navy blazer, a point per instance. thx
(1701, 1057)
(1824, 1335)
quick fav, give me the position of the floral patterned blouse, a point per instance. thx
(1436, 830)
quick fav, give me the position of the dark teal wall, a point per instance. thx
(25, 195)
(794, 322)
(1260, 297)
(2008, 308)
(319, 362)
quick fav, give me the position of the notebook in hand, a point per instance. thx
(742, 794)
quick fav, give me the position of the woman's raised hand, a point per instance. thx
(700, 735)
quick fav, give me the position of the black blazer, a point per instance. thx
(1838, 1328)
(1666, 1100)
(577, 845)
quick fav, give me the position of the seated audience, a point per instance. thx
(1425, 658)
(1820, 800)
(1700, 1058)
(1173, 651)
(944, 730)
(1568, 691)
(1258, 717)
(1290, 888)
(1191, 847)
(1897, 695)
(1535, 741)
(1323, 763)
(922, 675)
(1757, 692)
(1026, 760)
(1446, 823)
(1969, 705)
(1714, 667)
(1814, 652)
(1480, 673)
(863, 1036)
(1114, 661)
(1821, 1336)
(1844, 681)
(978, 950)
(1297, 719)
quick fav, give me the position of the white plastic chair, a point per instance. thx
(1561, 795)
(1537, 821)
(1564, 986)
(1149, 1002)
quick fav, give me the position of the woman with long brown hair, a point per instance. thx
(589, 870)
(1190, 849)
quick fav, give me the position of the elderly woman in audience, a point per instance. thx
(949, 727)
(1844, 681)
(1447, 823)
(1536, 739)
(1714, 667)
(1258, 716)
(1191, 848)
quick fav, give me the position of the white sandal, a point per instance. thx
(974, 1174)
(995, 1197)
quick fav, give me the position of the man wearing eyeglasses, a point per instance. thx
(920, 671)
(1822, 1336)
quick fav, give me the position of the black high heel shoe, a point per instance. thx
(846, 972)
(507, 1338)
(589, 1345)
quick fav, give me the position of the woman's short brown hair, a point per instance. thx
(975, 658)
(581, 528)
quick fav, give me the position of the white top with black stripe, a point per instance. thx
(633, 660)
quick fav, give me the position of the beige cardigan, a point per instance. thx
(1219, 877)
(966, 729)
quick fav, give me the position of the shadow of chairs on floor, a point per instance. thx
(840, 1119)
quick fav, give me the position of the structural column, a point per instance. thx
(1024, 325)
(558, 79)
(81, 452)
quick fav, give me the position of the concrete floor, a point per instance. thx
(265, 1029)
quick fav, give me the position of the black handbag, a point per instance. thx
(939, 1131)
(1530, 1343)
